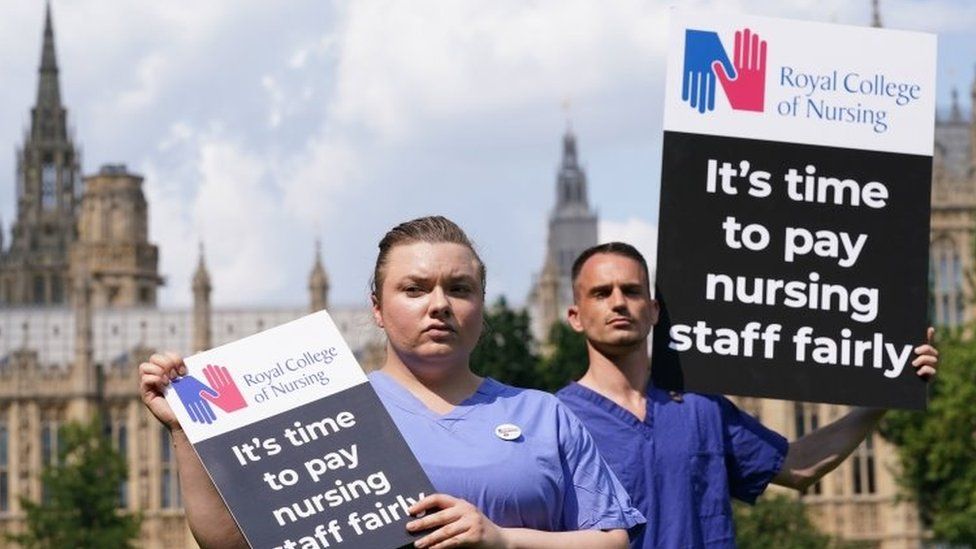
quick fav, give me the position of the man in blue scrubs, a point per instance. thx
(682, 456)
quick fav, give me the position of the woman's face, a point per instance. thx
(431, 302)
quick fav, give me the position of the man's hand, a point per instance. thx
(746, 89)
(456, 523)
(702, 49)
(927, 361)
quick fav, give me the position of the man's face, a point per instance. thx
(613, 308)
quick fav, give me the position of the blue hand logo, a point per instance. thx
(702, 48)
(191, 391)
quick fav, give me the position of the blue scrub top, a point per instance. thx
(549, 478)
(683, 463)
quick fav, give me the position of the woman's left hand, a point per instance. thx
(455, 523)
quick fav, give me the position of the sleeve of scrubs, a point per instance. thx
(753, 453)
(594, 497)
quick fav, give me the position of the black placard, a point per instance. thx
(329, 503)
(876, 311)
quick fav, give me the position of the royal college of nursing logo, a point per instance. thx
(197, 396)
(743, 79)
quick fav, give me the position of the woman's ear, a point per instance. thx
(377, 313)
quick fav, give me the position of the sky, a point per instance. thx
(261, 127)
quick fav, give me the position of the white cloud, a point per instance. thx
(298, 59)
(237, 215)
(150, 70)
(404, 63)
(276, 98)
(311, 182)
(179, 132)
(250, 209)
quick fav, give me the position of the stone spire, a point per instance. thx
(202, 339)
(48, 88)
(955, 113)
(35, 268)
(318, 282)
(876, 14)
(571, 183)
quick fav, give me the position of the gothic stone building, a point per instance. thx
(78, 283)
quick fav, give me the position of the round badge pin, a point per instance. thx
(508, 431)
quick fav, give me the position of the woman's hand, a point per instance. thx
(455, 523)
(155, 375)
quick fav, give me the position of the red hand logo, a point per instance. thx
(746, 92)
(228, 396)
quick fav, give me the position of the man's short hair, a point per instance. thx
(614, 248)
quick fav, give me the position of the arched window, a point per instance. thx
(806, 419)
(120, 438)
(49, 186)
(38, 290)
(862, 468)
(4, 464)
(57, 292)
(946, 282)
(50, 445)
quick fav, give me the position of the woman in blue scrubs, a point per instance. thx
(514, 468)
(519, 468)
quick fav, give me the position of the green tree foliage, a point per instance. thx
(506, 350)
(568, 359)
(80, 509)
(778, 521)
(938, 447)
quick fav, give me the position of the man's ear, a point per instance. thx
(572, 316)
(655, 311)
(377, 314)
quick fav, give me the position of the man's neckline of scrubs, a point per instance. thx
(402, 398)
(615, 409)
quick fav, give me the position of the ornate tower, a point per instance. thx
(318, 283)
(202, 339)
(113, 248)
(572, 229)
(972, 125)
(34, 271)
